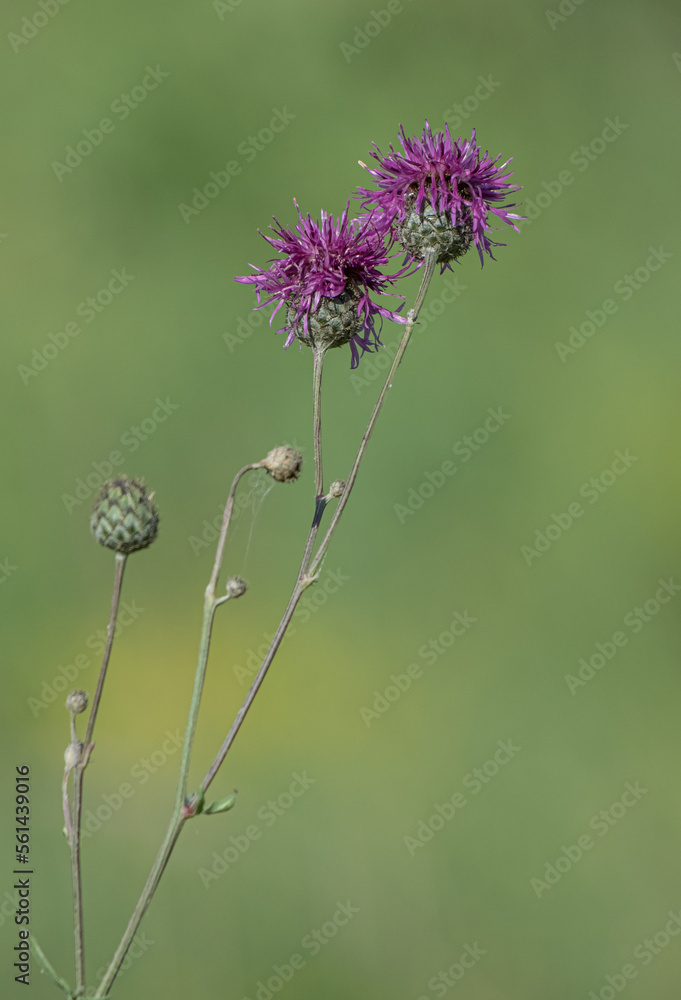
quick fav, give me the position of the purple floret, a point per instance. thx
(453, 176)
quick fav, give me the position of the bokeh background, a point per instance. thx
(547, 82)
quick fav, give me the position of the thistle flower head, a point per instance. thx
(323, 279)
(438, 194)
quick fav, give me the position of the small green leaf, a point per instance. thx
(43, 961)
(220, 806)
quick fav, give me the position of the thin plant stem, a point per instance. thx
(428, 271)
(209, 606)
(307, 575)
(184, 808)
(318, 354)
(226, 517)
(119, 569)
(78, 774)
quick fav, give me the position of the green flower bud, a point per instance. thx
(124, 517)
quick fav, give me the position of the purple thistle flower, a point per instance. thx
(438, 194)
(324, 279)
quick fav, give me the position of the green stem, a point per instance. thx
(308, 572)
(428, 271)
(306, 576)
(78, 775)
(317, 365)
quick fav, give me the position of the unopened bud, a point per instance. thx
(124, 517)
(284, 464)
(76, 702)
(336, 489)
(235, 586)
(72, 755)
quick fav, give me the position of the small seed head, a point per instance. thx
(284, 464)
(76, 702)
(235, 586)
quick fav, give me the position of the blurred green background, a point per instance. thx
(182, 331)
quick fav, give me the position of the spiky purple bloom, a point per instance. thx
(449, 183)
(324, 278)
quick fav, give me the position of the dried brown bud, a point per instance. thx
(284, 464)
(336, 489)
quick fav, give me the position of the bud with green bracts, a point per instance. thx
(124, 517)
